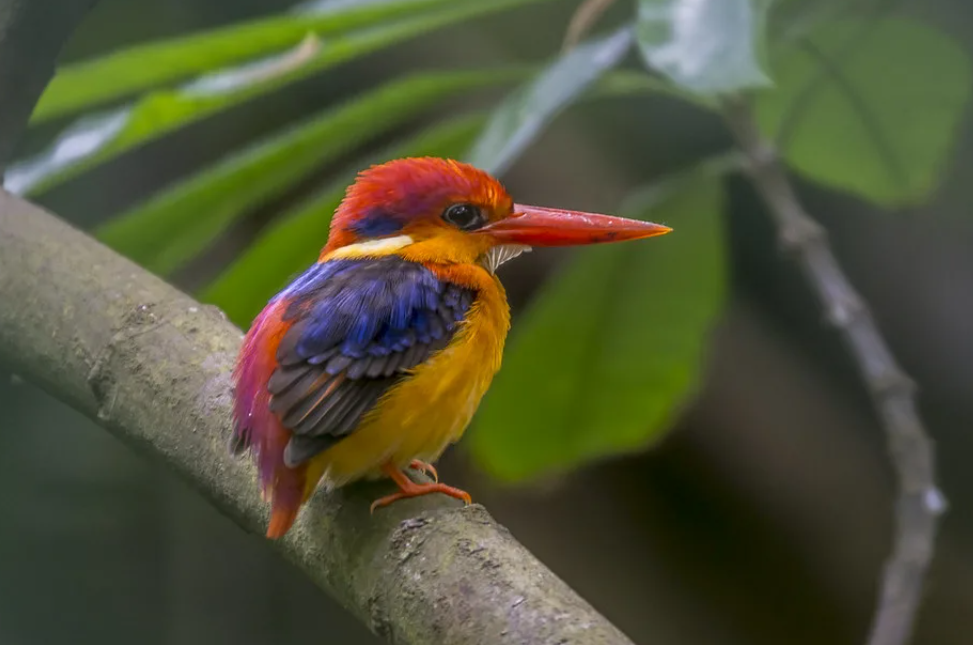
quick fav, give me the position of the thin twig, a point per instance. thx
(584, 18)
(920, 502)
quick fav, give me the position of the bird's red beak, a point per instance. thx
(538, 226)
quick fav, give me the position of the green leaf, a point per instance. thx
(95, 139)
(520, 119)
(123, 73)
(294, 242)
(175, 225)
(883, 115)
(709, 47)
(794, 19)
(608, 352)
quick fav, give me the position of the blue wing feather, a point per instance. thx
(356, 328)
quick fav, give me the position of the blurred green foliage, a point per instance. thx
(605, 352)
(881, 117)
(122, 74)
(708, 47)
(520, 118)
(94, 141)
(613, 346)
(183, 220)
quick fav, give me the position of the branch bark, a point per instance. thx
(32, 33)
(153, 366)
(920, 503)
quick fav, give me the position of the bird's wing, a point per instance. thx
(355, 329)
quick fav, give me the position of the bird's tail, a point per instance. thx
(286, 500)
(258, 429)
(281, 520)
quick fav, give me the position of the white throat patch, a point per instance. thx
(501, 254)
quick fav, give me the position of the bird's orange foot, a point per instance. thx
(426, 468)
(408, 488)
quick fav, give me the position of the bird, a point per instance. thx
(373, 361)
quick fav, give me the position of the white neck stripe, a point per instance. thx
(381, 246)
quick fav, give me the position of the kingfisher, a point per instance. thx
(374, 360)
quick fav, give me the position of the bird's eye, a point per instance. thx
(464, 216)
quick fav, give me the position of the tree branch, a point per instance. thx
(920, 502)
(153, 366)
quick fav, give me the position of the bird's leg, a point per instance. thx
(426, 468)
(408, 488)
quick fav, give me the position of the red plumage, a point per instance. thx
(259, 429)
(411, 188)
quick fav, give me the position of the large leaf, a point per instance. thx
(706, 46)
(184, 219)
(520, 119)
(612, 347)
(96, 139)
(128, 71)
(882, 118)
(293, 243)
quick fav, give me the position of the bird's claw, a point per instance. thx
(418, 490)
(409, 488)
(425, 468)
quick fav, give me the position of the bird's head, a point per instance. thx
(428, 209)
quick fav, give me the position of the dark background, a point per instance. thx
(762, 519)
